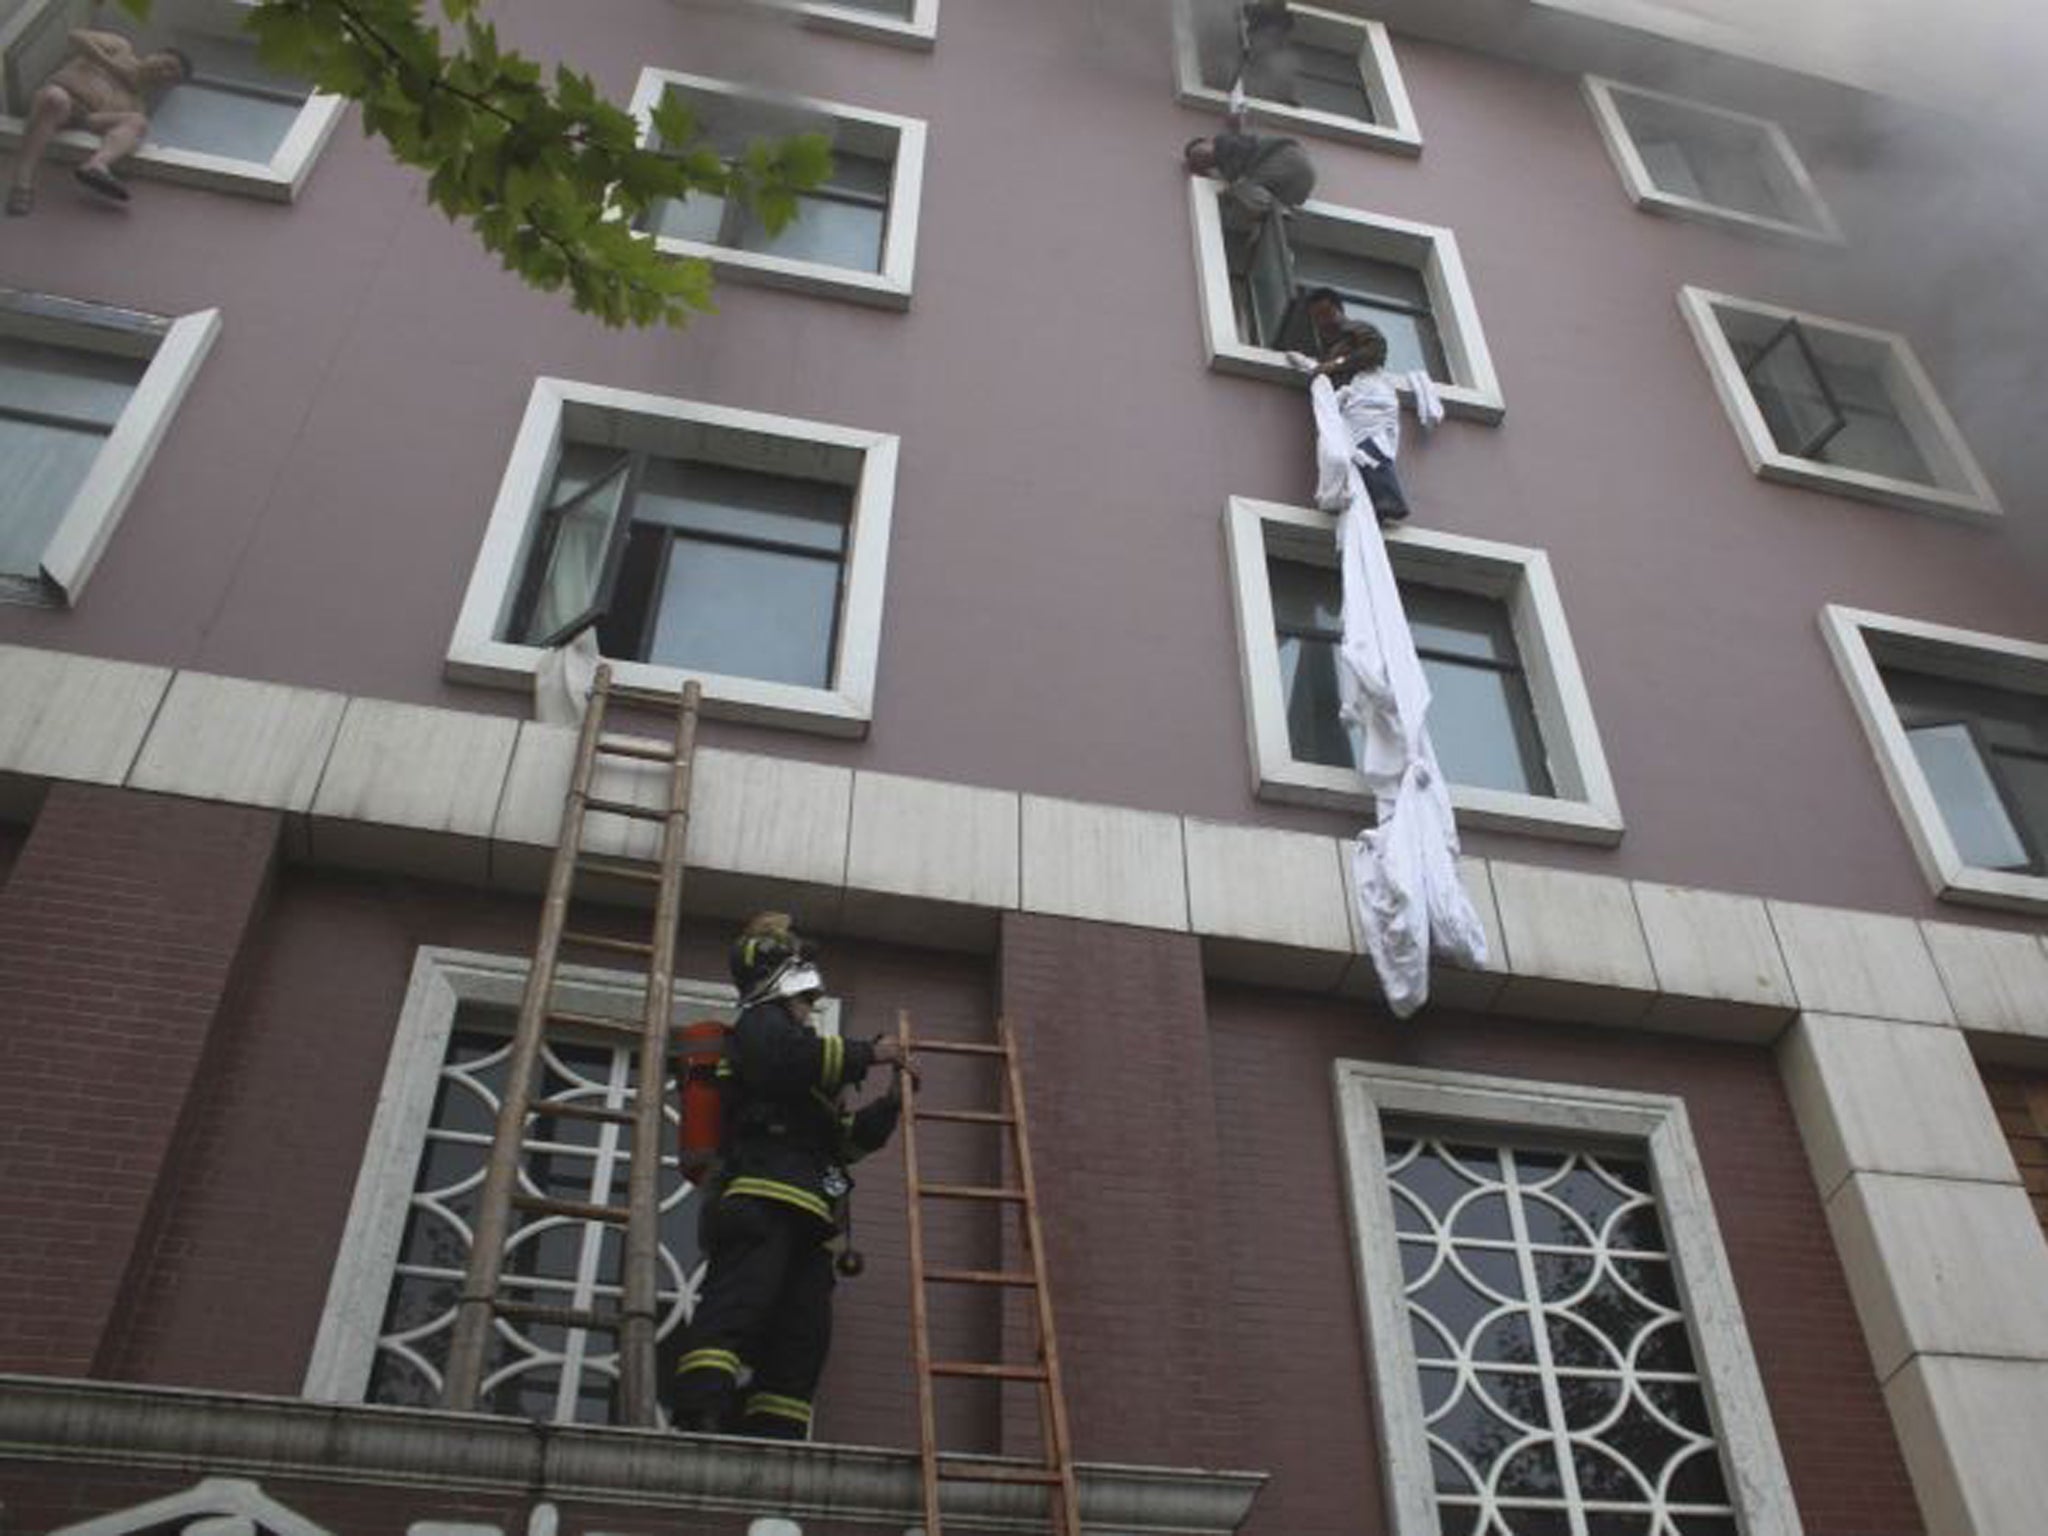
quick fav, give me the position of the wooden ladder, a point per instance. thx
(1057, 1473)
(483, 1299)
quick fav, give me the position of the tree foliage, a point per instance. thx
(549, 174)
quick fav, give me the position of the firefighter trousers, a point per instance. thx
(766, 1305)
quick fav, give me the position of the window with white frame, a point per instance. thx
(906, 23)
(236, 125)
(1833, 406)
(1509, 715)
(1326, 74)
(1704, 162)
(1407, 279)
(87, 392)
(390, 1310)
(747, 551)
(1959, 723)
(853, 237)
(1557, 1348)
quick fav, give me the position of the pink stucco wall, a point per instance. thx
(1058, 616)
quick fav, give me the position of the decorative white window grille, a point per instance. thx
(1559, 1389)
(535, 1370)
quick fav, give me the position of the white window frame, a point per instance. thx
(443, 982)
(1473, 391)
(1779, 159)
(175, 348)
(920, 31)
(1367, 1093)
(889, 288)
(1379, 72)
(1584, 809)
(277, 180)
(561, 410)
(1858, 640)
(1963, 491)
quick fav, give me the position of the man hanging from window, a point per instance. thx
(1260, 172)
(767, 1298)
(1354, 359)
(100, 88)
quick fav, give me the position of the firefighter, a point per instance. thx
(779, 1201)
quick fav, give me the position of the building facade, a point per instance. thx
(983, 510)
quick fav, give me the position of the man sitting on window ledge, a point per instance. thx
(1262, 173)
(99, 88)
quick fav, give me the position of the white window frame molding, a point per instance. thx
(613, 417)
(1473, 391)
(1964, 493)
(1781, 163)
(890, 288)
(1855, 639)
(920, 31)
(280, 179)
(175, 348)
(443, 982)
(1367, 1094)
(1379, 72)
(1585, 808)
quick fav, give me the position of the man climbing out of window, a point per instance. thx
(767, 1297)
(1260, 172)
(1354, 359)
(100, 87)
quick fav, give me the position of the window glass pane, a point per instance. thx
(1361, 277)
(747, 613)
(1796, 401)
(864, 176)
(581, 533)
(1873, 437)
(1984, 834)
(1459, 623)
(1308, 680)
(208, 120)
(825, 230)
(2025, 777)
(699, 217)
(86, 388)
(1306, 596)
(1328, 80)
(1701, 155)
(1483, 728)
(1413, 345)
(1670, 170)
(741, 504)
(900, 9)
(41, 469)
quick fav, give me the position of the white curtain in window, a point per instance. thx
(1404, 870)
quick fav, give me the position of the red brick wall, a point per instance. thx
(251, 1232)
(1291, 1313)
(1111, 1024)
(2021, 1099)
(120, 926)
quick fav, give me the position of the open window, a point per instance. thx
(1959, 723)
(234, 126)
(1695, 161)
(747, 551)
(1407, 279)
(1509, 716)
(1834, 406)
(854, 237)
(87, 391)
(1325, 74)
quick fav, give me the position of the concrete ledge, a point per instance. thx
(248, 743)
(1104, 864)
(1575, 946)
(1860, 963)
(931, 863)
(1271, 907)
(81, 1423)
(70, 717)
(1719, 970)
(1997, 983)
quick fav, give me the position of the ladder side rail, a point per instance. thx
(1059, 1453)
(920, 1322)
(462, 1379)
(643, 1198)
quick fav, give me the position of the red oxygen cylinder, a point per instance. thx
(701, 1106)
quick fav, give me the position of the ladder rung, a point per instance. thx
(619, 869)
(600, 941)
(625, 808)
(959, 1474)
(968, 1116)
(980, 1277)
(967, 1192)
(956, 1047)
(626, 746)
(985, 1371)
(646, 698)
(602, 1026)
(576, 1109)
(566, 1317)
(618, 1215)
